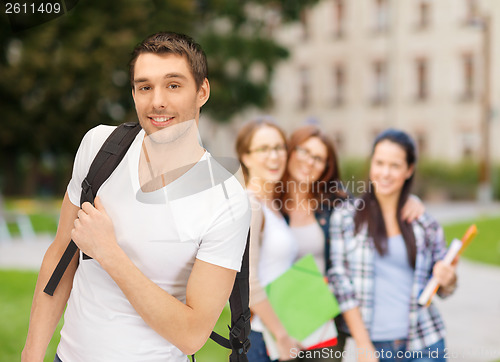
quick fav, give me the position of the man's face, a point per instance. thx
(165, 95)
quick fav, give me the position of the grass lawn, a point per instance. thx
(485, 248)
(41, 223)
(15, 302)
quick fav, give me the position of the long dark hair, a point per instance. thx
(371, 213)
(327, 189)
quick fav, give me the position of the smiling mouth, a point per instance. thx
(384, 184)
(161, 121)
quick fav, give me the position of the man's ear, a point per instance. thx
(203, 93)
(133, 94)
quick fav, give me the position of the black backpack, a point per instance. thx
(107, 159)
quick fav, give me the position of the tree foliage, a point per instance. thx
(65, 76)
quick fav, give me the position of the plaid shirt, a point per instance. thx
(352, 273)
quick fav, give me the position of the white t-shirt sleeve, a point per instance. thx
(224, 241)
(90, 145)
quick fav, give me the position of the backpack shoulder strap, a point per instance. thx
(238, 340)
(107, 159)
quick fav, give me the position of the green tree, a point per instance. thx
(63, 77)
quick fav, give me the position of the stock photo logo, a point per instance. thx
(24, 15)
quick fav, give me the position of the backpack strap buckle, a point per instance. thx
(87, 190)
(241, 323)
(236, 330)
(245, 346)
(247, 315)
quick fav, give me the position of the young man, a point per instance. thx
(166, 235)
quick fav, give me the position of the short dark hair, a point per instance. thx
(173, 43)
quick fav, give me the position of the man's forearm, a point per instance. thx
(187, 326)
(46, 311)
(149, 300)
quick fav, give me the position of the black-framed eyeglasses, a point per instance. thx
(266, 151)
(305, 155)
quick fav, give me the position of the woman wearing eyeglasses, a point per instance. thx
(312, 187)
(261, 149)
(312, 192)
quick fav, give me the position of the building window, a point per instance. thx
(374, 133)
(469, 143)
(338, 85)
(421, 68)
(338, 141)
(421, 141)
(423, 15)
(305, 24)
(304, 100)
(468, 77)
(380, 83)
(339, 18)
(471, 11)
(381, 17)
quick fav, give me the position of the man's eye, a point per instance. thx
(173, 86)
(145, 88)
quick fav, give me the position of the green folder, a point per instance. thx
(301, 298)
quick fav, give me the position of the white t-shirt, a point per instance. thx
(204, 214)
(278, 251)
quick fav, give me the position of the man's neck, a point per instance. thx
(162, 163)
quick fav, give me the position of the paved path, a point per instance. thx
(459, 211)
(21, 254)
(471, 315)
